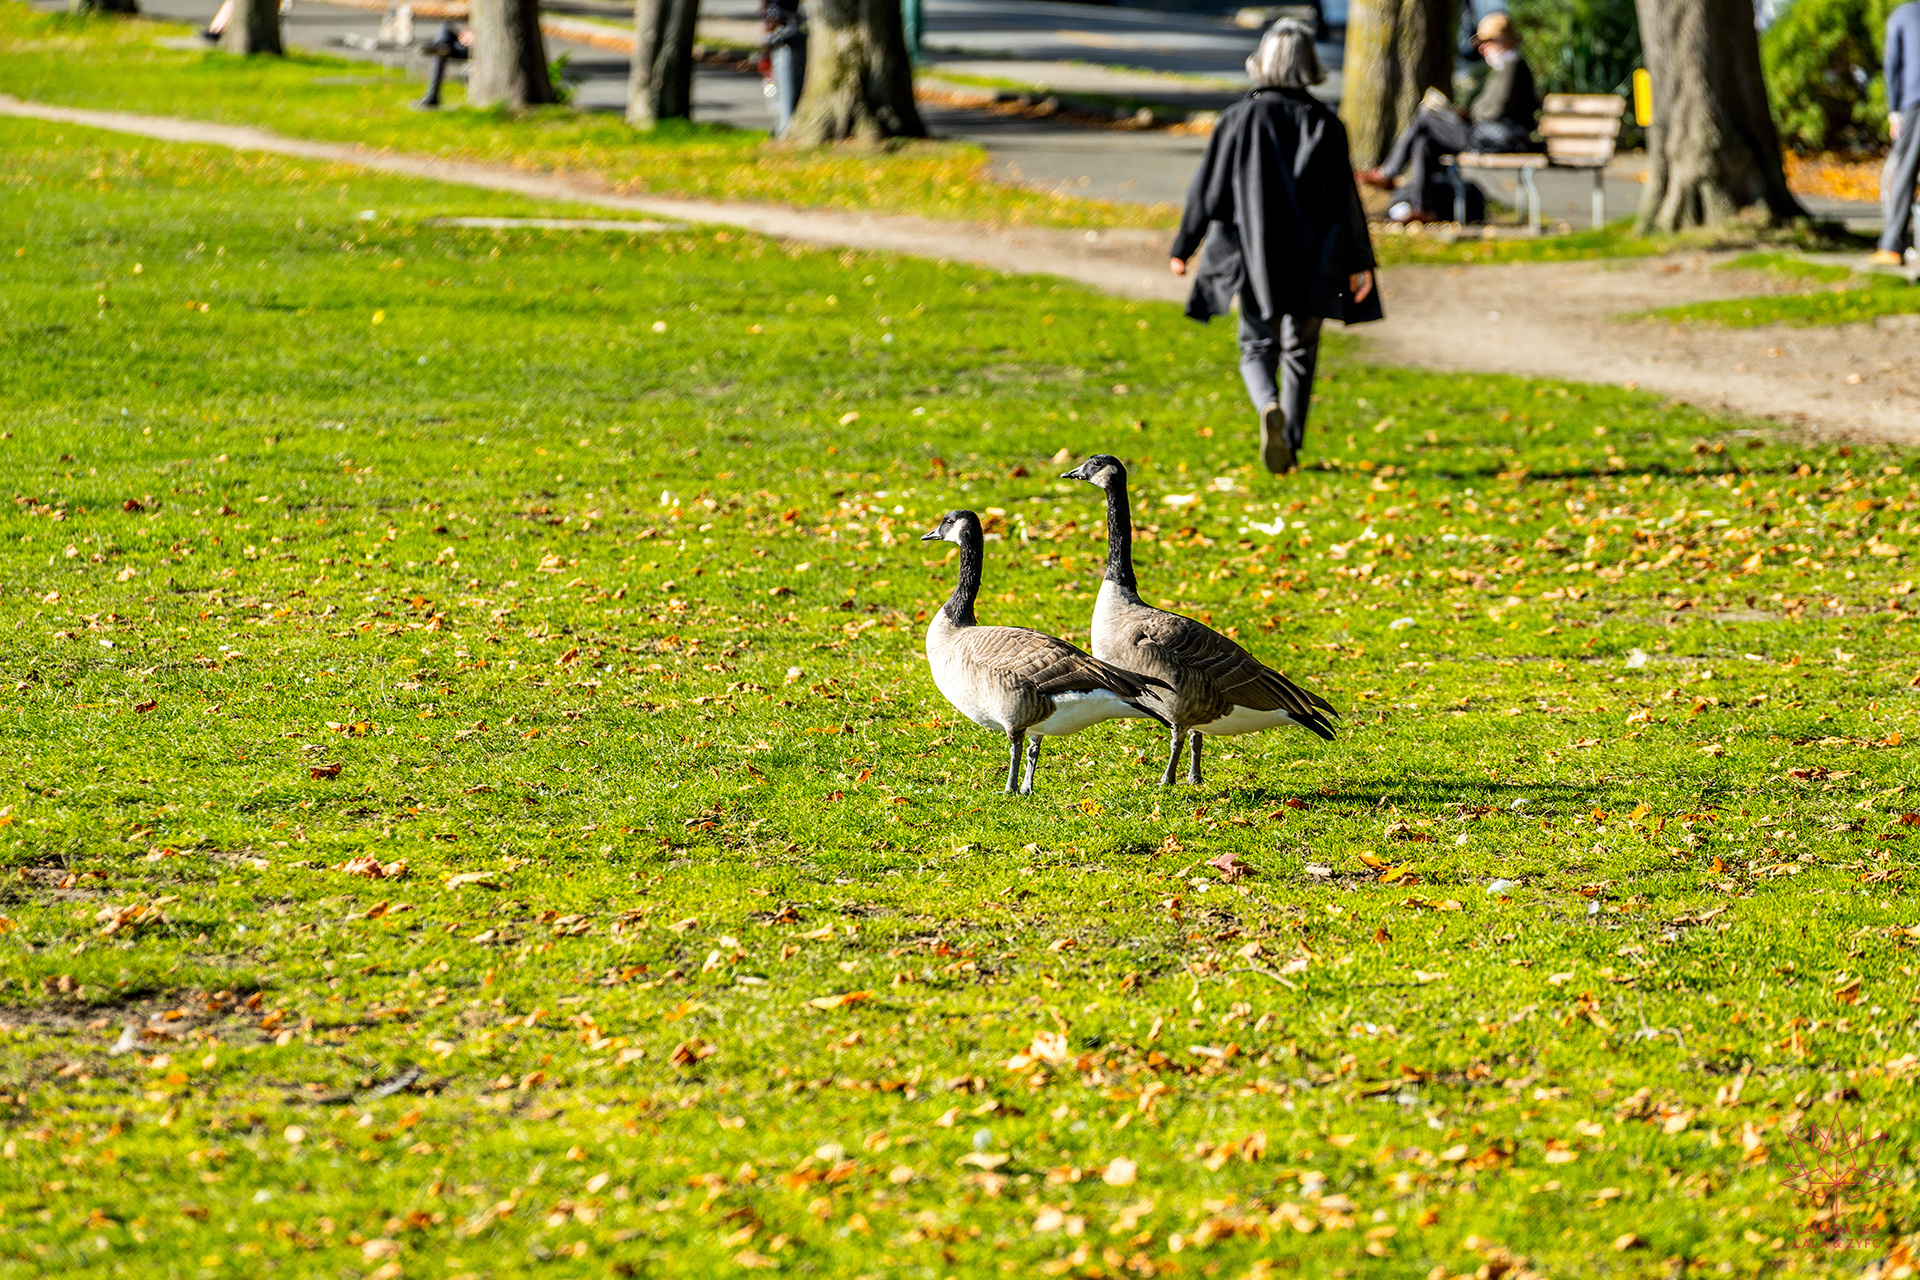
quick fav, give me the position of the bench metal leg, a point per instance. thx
(1459, 186)
(1533, 201)
(1599, 198)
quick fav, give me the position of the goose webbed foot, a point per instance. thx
(1193, 762)
(1033, 761)
(1013, 763)
(1173, 759)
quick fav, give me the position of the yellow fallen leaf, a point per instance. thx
(840, 1001)
(478, 879)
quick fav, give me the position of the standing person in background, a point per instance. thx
(1274, 201)
(783, 57)
(1501, 119)
(1903, 123)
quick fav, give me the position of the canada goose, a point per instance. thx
(1208, 685)
(1019, 681)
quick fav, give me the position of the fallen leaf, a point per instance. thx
(324, 771)
(1120, 1172)
(840, 1001)
(478, 879)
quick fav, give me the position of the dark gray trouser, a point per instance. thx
(789, 77)
(1433, 134)
(1897, 182)
(1290, 355)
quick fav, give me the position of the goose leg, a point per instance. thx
(1193, 762)
(1173, 760)
(1033, 760)
(1013, 761)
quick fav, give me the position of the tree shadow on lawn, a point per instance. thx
(1431, 791)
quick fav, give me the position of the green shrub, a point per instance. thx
(1822, 60)
(1579, 46)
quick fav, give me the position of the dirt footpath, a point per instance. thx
(1535, 319)
(1557, 320)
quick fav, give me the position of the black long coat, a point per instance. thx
(1276, 204)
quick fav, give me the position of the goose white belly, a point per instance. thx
(1244, 720)
(1073, 712)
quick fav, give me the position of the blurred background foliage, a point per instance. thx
(1823, 65)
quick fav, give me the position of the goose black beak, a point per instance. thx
(931, 535)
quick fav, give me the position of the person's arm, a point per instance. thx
(1360, 260)
(1896, 70)
(1209, 198)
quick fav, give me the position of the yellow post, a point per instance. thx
(1642, 97)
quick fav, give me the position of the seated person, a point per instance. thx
(1501, 118)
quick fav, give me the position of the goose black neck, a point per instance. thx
(1119, 536)
(959, 605)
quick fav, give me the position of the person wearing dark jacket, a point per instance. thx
(1903, 122)
(1275, 203)
(1501, 118)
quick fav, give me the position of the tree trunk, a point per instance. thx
(1712, 149)
(1396, 51)
(253, 27)
(509, 64)
(859, 78)
(103, 6)
(660, 84)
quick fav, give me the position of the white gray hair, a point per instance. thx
(1286, 58)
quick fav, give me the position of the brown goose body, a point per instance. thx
(1206, 685)
(1023, 683)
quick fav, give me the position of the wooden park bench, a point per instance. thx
(1581, 130)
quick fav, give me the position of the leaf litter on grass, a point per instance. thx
(653, 814)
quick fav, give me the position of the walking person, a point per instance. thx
(783, 58)
(1275, 202)
(1903, 123)
(1501, 118)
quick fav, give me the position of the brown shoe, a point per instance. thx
(1884, 258)
(1276, 453)
(1374, 178)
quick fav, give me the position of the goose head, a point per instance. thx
(959, 527)
(1102, 469)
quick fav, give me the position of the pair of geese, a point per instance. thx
(1146, 663)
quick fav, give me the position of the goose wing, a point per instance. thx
(1204, 654)
(1048, 664)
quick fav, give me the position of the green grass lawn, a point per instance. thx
(141, 66)
(1846, 297)
(472, 802)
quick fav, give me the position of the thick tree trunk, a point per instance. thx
(1396, 51)
(859, 78)
(660, 84)
(253, 27)
(509, 64)
(103, 6)
(1712, 150)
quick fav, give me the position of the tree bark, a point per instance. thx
(660, 84)
(1712, 150)
(859, 78)
(1396, 51)
(103, 6)
(509, 64)
(253, 27)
